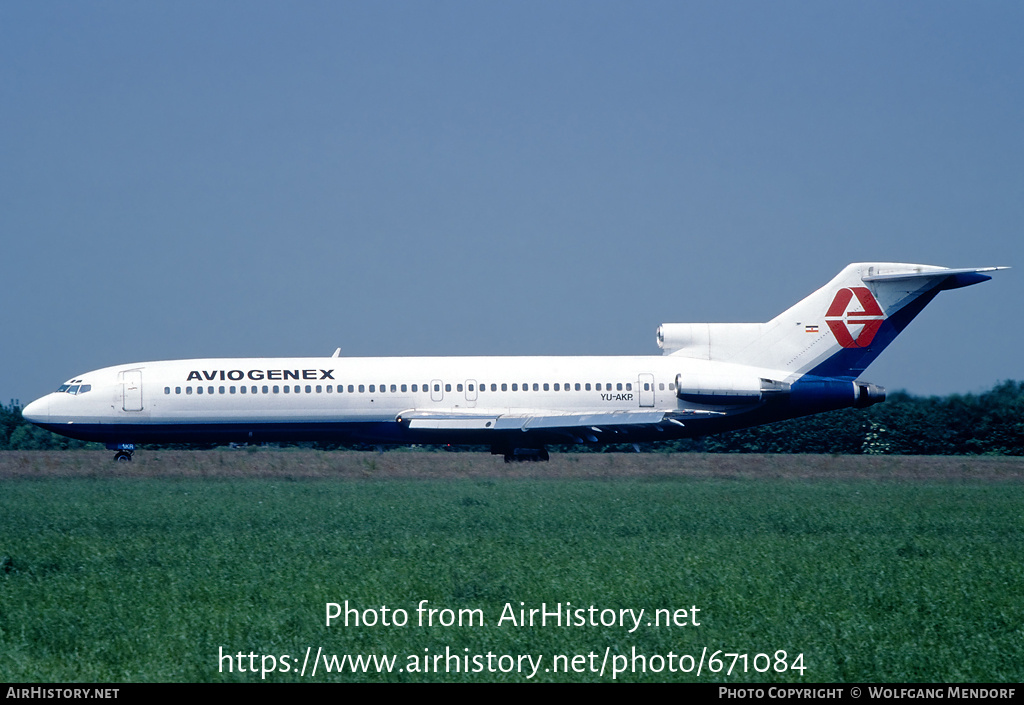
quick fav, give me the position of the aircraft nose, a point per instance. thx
(38, 411)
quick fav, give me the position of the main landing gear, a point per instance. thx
(520, 455)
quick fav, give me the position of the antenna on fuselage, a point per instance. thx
(336, 353)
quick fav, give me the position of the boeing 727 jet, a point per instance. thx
(710, 377)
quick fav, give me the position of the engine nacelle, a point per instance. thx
(728, 390)
(707, 341)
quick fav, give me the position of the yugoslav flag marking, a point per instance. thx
(841, 319)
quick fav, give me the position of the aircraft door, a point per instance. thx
(645, 389)
(436, 390)
(131, 390)
(471, 392)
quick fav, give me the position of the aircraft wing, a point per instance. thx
(523, 421)
(503, 420)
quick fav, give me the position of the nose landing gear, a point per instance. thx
(124, 451)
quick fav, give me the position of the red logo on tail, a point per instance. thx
(843, 321)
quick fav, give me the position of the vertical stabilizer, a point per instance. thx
(835, 332)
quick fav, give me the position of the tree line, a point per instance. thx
(990, 423)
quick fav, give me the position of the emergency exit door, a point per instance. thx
(645, 389)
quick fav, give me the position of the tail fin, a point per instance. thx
(835, 332)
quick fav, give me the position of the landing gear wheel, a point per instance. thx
(123, 456)
(529, 455)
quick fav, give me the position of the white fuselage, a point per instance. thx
(379, 399)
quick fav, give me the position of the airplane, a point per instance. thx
(710, 378)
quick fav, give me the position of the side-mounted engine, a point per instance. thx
(728, 390)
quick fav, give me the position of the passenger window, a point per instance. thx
(536, 387)
(363, 389)
(221, 390)
(266, 389)
(557, 389)
(494, 387)
(167, 390)
(277, 390)
(330, 388)
(437, 387)
(372, 388)
(242, 389)
(629, 386)
(309, 389)
(287, 389)
(661, 386)
(504, 386)
(394, 388)
(351, 388)
(210, 390)
(618, 387)
(231, 389)
(199, 390)
(188, 390)
(177, 390)
(447, 387)
(458, 387)
(671, 386)
(405, 388)
(515, 387)
(587, 386)
(320, 389)
(597, 386)
(577, 386)
(415, 388)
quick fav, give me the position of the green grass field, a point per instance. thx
(110, 574)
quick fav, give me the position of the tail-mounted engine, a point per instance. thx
(728, 390)
(868, 394)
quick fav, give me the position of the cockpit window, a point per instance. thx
(63, 388)
(73, 389)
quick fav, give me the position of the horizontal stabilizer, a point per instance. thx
(943, 272)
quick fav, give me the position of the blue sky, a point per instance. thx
(193, 179)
